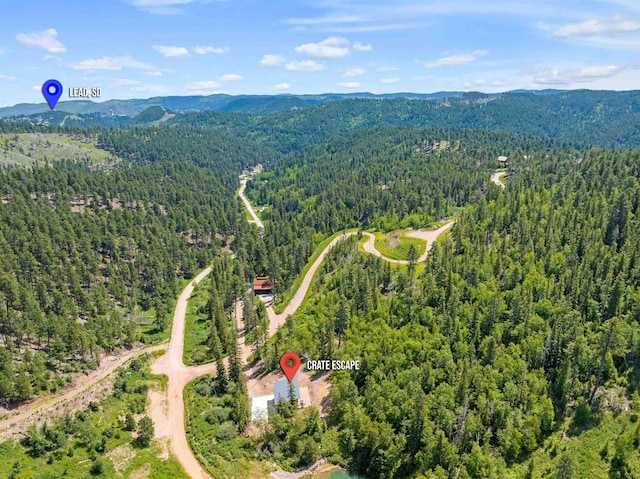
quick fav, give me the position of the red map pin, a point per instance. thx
(290, 362)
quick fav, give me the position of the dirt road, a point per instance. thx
(167, 411)
(256, 220)
(167, 408)
(495, 177)
(84, 390)
(430, 236)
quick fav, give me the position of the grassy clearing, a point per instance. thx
(285, 297)
(395, 245)
(25, 149)
(98, 435)
(247, 215)
(197, 327)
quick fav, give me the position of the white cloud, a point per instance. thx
(456, 59)
(127, 86)
(349, 84)
(568, 75)
(153, 73)
(304, 66)
(231, 77)
(592, 28)
(45, 39)
(202, 87)
(161, 7)
(272, 60)
(389, 81)
(348, 22)
(361, 47)
(386, 69)
(110, 64)
(381, 27)
(327, 19)
(7, 78)
(365, 15)
(133, 86)
(201, 50)
(484, 84)
(170, 52)
(281, 86)
(354, 72)
(332, 47)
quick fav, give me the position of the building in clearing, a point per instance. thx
(262, 285)
(504, 160)
(281, 392)
(260, 404)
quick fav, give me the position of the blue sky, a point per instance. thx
(145, 48)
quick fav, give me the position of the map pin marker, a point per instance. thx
(52, 91)
(290, 362)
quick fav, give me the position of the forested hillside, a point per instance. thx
(383, 178)
(255, 104)
(512, 352)
(607, 119)
(285, 123)
(92, 260)
(521, 334)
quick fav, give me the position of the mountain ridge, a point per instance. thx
(223, 102)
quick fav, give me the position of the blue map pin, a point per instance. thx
(52, 91)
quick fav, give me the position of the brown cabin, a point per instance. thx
(262, 285)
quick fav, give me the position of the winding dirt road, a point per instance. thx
(430, 236)
(167, 407)
(168, 412)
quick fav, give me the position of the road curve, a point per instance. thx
(495, 177)
(430, 236)
(170, 419)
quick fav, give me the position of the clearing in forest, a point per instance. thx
(397, 244)
(25, 149)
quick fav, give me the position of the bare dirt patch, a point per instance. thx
(84, 389)
(141, 473)
(121, 456)
(158, 412)
(393, 240)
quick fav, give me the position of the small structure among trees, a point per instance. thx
(262, 285)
